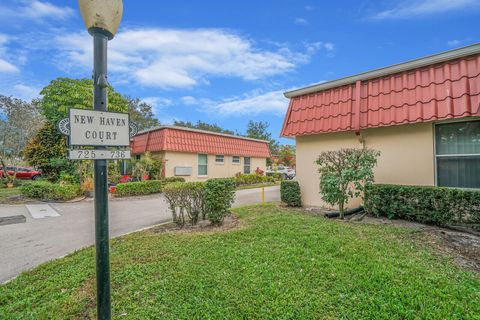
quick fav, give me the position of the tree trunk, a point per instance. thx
(341, 209)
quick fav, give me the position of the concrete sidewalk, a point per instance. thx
(26, 245)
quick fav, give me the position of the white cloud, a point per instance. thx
(26, 92)
(273, 103)
(413, 8)
(35, 10)
(5, 66)
(158, 102)
(179, 58)
(301, 21)
(309, 8)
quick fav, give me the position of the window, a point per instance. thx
(457, 147)
(219, 158)
(246, 165)
(202, 164)
(236, 159)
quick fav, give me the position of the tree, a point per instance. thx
(19, 121)
(258, 130)
(286, 155)
(142, 114)
(65, 93)
(345, 174)
(48, 149)
(203, 126)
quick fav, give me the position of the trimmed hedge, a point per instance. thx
(432, 205)
(139, 188)
(173, 179)
(219, 197)
(290, 193)
(47, 191)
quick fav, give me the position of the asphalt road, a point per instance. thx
(26, 245)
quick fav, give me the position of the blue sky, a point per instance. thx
(226, 62)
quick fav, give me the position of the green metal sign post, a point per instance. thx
(100, 87)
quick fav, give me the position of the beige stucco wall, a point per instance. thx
(407, 156)
(215, 170)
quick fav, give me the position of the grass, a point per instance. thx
(280, 264)
(257, 185)
(5, 193)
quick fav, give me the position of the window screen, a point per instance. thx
(457, 148)
(202, 165)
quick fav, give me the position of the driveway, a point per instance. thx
(26, 245)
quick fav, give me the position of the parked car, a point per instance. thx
(23, 173)
(288, 173)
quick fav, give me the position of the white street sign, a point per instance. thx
(98, 154)
(99, 128)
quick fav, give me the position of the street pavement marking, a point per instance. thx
(40, 211)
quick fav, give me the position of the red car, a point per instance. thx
(23, 173)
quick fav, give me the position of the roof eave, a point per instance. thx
(400, 67)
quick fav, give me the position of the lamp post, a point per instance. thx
(102, 19)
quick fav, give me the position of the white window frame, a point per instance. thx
(436, 156)
(198, 167)
(237, 162)
(220, 157)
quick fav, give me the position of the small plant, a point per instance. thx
(186, 199)
(173, 179)
(219, 197)
(344, 174)
(290, 193)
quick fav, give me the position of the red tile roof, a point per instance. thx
(446, 90)
(178, 139)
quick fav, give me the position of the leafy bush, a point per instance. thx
(186, 198)
(138, 188)
(219, 196)
(277, 176)
(434, 205)
(248, 179)
(44, 190)
(290, 193)
(68, 178)
(345, 173)
(173, 179)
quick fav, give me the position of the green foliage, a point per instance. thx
(219, 197)
(139, 188)
(142, 114)
(64, 93)
(433, 205)
(200, 125)
(290, 193)
(259, 130)
(69, 178)
(286, 155)
(277, 176)
(147, 166)
(47, 151)
(47, 191)
(186, 198)
(114, 174)
(279, 265)
(173, 179)
(345, 173)
(251, 179)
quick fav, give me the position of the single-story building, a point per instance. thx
(198, 155)
(422, 115)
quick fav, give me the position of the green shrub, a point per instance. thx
(219, 196)
(248, 179)
(433, 205)
(138, 188)
(277, 176)
(290, 193)
(173, 179)
(47, 191)
(186, 198)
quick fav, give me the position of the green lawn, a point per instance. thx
(279, 264)
(5, 193)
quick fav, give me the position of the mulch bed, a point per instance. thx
(229, 223)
